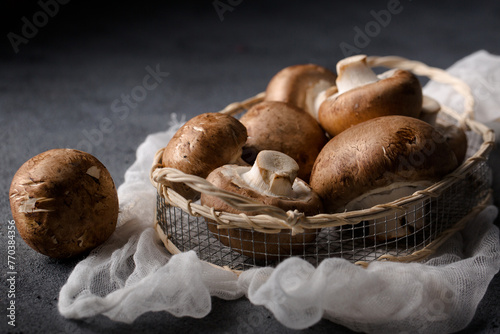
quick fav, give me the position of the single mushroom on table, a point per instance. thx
(203, 143)
(379, 161)
(280, 126)
(270, 181)
(301, 85)
(363, 95)
(64, 202)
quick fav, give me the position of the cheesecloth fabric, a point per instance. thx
(132, 273)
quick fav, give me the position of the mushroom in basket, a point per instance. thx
(270, 181)
(203, 143)
(363, 95)
(64, 202)
(280, 126)
(455, 137)
(454, 134)
(379, 161)
(301, 85)
(430, 110)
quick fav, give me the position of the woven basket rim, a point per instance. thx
(273, 219)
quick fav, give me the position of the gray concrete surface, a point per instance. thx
(62, 83)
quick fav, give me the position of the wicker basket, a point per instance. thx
(429, 217)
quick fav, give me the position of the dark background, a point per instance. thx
(61, 84)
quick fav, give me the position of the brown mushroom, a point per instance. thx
(271, 181)
(301, 85)
(379, 161)
(455, 137)
(430, 110)
(282, 127)
(203, 143)
(64, 202)
(363, 95)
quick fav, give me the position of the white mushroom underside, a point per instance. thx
(387, 194)
(315, 96)
(390, 226)
(299, 189)
(354, 72)
(359, 82)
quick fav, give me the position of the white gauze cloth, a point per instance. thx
(132, 273)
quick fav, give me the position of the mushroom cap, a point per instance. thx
(255, 244)
(397, 94)
(377, 153)
(64, 202)
(280, 126)
(202, 144)
(300, 85)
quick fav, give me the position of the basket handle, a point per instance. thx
(433, 73)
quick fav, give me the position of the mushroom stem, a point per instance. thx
(237, 158)
(430, 109)
(321, 97)
(273, 173)
(354, 72)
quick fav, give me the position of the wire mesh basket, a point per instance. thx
(408, 229)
